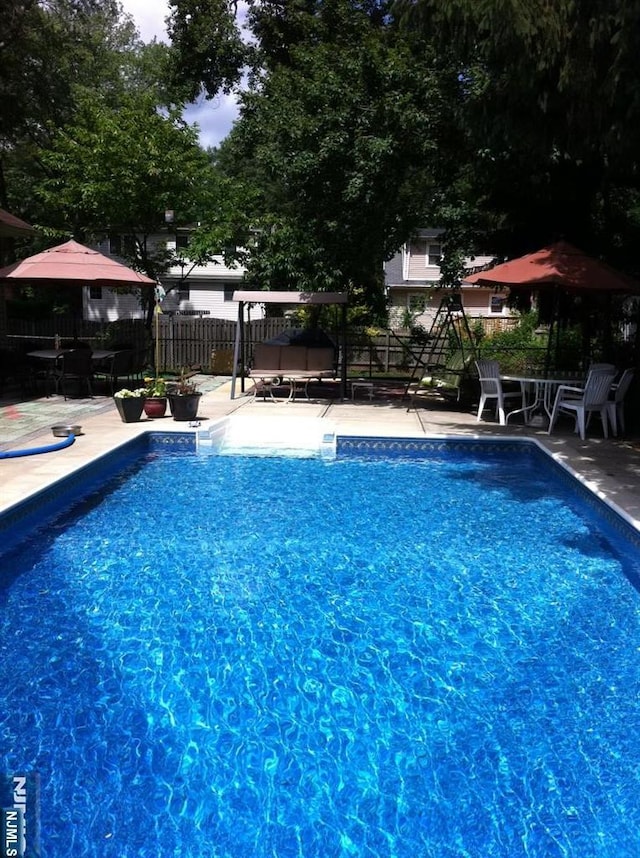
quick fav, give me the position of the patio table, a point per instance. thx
(50, 358)
(54, 354)
(544, 390)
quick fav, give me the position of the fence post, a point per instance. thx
(171, 361)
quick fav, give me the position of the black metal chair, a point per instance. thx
(75, 366)
(118, 366)
(140, 364)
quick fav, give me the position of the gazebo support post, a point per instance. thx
(238, 351)
(343, 348)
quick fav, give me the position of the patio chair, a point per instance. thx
(74, 366)
(600, 366)
(140, 364)
(117, 366)
(615, 405)
(582, 402)
(491, 388)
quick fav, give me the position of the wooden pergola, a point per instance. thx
(245, 299)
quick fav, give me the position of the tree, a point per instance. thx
(209, 52)
(120, 169)
(333, 147)
(57, 52)
(547, 118)
(47, 49)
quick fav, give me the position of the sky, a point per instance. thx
(215, 117)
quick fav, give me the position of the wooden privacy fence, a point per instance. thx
(209, 343)
(188, 341)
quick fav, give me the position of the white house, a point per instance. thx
(204, 290)
(412, 279)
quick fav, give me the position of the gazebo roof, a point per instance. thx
(12, 226)
(558, 265)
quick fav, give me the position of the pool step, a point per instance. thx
(302, 437)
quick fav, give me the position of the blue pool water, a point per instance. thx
(365, 657)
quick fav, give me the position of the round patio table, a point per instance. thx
(543, 390)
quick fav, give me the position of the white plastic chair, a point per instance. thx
(582, 402)
(491, 388)
(615, 406)
(600, 366)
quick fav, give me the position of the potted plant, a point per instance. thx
(130, 403)
(155, 401)
(184, 399)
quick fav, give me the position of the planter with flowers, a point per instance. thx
(184, 399)
(130, 404)
(155, 401)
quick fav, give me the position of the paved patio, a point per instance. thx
(611, 467)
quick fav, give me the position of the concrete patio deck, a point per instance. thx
(610, 467)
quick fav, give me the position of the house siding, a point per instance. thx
(411, 281)
(191, 290)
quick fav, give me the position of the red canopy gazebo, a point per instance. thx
(558, 265)
(561, 268)
(73, 262)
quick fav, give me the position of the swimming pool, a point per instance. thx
(417, 649)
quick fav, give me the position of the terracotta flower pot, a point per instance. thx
(155, 406)
(129, 408)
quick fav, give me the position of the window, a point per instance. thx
(183, 291)
(228, 292)
(95, 293)
(182, 242)
(497, 303)
(417, 303)
(129, 245)
(122, 245)
(434, 254)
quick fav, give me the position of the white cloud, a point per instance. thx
(214, 117)
(149, 18)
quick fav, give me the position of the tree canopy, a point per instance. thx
(509, 123)
(98, 143)
(549, 115)
(526, 114)
(333, 148)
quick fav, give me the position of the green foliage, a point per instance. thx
(519, 349)
(44, 49)
(535, 160)
(209, 52)
(155, 386)
(524, 348)
(330, 154)
(119, 169)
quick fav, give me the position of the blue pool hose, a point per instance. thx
(60, 445)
